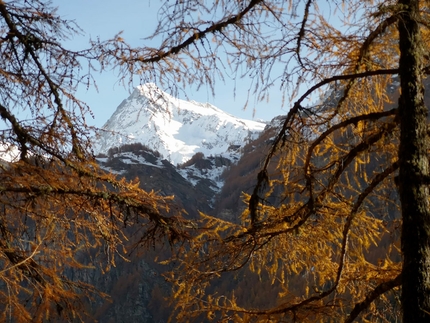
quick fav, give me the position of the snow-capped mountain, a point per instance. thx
(176, 128)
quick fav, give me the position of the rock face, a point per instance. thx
(192, 188)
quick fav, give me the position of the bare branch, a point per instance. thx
(302, 31)
(216, 27)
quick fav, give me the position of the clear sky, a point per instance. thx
(138, 19)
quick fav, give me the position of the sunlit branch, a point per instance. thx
(343, 124)
(364, 52)
(21, 261)
(379, 30)
(370, 297)
(125, 201)
(262, 177)
(238, 260)
(345, 77)
(309, 208)
(364, 49)
(306, 210)
(360, 199)
(297, 105)
(378, 179)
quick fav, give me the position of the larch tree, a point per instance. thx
(322, 227)
(59, 212)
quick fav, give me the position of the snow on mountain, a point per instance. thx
(9, 153)
(175, 128)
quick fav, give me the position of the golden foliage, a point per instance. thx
(59, 212)
(319, 240)
(323, 237)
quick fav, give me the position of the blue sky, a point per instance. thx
(137, 20)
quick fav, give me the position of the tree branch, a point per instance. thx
(261, 180)
(122, 201)
(302, 32)
(354, 120)
(374, 294)
(359, 201)
(363, 50)
(24, 39)
(216, 27)
(297, 105)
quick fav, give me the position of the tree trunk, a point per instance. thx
(414, 168)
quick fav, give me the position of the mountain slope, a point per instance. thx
(176, 128)
(175, 148)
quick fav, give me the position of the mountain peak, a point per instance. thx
(176, 128)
